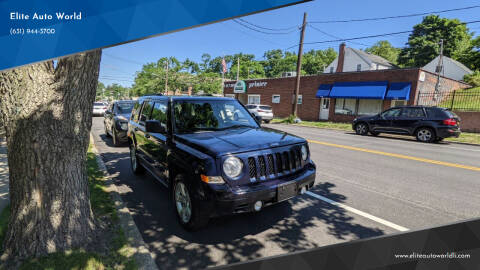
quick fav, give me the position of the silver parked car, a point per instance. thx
(265, 111)
(99, 108)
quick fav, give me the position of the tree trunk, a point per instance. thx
(47, 113)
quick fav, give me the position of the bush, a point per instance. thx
(473, 79)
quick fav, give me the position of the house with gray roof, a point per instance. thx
(350, 59)
(451, 68)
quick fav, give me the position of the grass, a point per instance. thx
(327, 125)
(120, 253)
(465, 100)
(465, 137)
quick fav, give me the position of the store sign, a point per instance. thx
(240, 87)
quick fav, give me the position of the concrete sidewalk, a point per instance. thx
(4, 198)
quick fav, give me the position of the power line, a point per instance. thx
(333, 36)
(396, 17)
(271, 29)
(263, 32)
(365, 37)
(269, 41)
(123, 59)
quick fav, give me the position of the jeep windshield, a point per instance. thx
(210, 115)
(124, 107)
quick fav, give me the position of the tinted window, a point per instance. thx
(251, 106)
(413, 113)
(147, 109)
(136, 110)
(123, 107)
(392, 113)
(191, 116)
(160, 113)
(435, 113)
(98, 104)
(265, 107)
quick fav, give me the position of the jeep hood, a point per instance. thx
(237, 140)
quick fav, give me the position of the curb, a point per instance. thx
(337, 129)
(142, 255)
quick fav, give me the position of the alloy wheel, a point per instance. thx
(425, 135)
(183, 202)
(361, 129)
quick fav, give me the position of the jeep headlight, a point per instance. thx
(304, 153)
(123, 125)
(232, 167)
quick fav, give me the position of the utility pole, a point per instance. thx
(439, 67)
(166, 78)
(299, 66)
(238, 68)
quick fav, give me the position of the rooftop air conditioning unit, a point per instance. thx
(289, 74)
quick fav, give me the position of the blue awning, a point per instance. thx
(399, 90)
(324, 90)
(360, 90)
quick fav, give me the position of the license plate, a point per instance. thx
(285, 192)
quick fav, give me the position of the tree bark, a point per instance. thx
(47, 113)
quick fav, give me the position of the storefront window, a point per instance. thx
(369, 106)
(253, 99)
(345, 106)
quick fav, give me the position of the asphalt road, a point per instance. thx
(365, 186)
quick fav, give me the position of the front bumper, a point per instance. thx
(446, 132)
(226, 201)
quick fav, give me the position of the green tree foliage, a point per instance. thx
(205, 76)
(473, 79)
(472, 58)
(100, 91)
(385, 49)
(315, 61)
(423, 42)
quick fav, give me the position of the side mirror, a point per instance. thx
(154, 126)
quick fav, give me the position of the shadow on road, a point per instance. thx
(286, 227)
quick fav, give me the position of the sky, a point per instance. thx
(119, 64)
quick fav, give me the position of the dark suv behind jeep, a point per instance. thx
(427, 124)
(214, 156)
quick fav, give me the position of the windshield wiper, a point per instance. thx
(236, 126)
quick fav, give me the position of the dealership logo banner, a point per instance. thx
(32, 31)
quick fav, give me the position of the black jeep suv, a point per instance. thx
(427, 124)
(214, 156)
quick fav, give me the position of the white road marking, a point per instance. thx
(358, 212)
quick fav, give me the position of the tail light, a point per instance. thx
(261, 111)
(450, 122)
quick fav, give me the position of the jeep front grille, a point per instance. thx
(275, 164)
(252, 167)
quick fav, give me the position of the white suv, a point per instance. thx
(265, 111)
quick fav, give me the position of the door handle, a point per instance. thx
(147, 136)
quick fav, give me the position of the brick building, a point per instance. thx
(341, 96)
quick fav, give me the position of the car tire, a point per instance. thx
(266, 121)
(425, 134)
(438, 139)
(186, 206)
(106, 130)
(135, 165)
(115, 138)
(361, 128)
(374, 133)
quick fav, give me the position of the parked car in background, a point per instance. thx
(116, 120)
(427, 124)
(214, 156)
(265, 111)
(99, 108)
